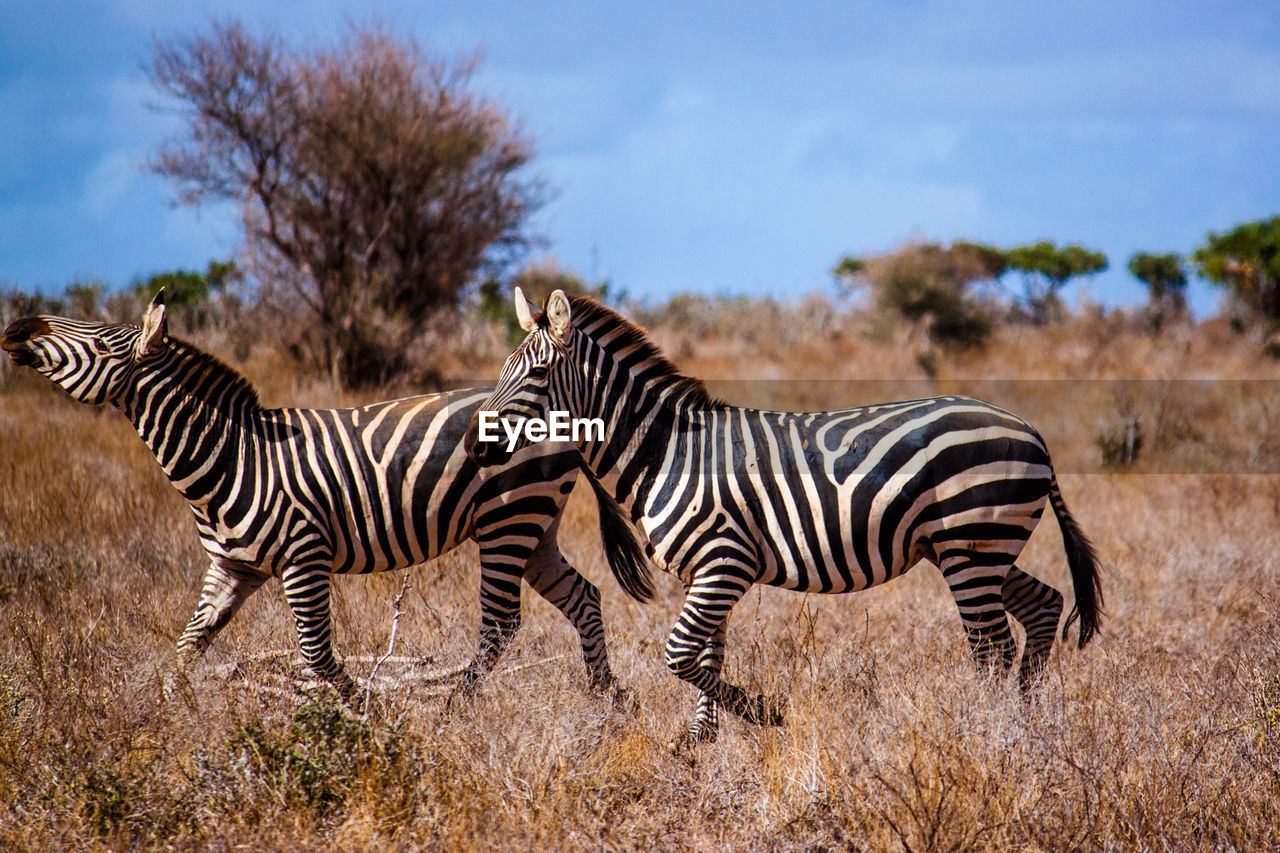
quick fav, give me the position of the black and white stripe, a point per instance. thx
(302, 494)
(821, 502)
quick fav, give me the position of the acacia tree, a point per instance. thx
(1246, 261)
(1166, 282)
(375, 186)
(1045, 269)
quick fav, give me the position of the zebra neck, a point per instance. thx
(642, 428)
(646, 404)
(200, 425)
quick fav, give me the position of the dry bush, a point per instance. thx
(1163, 734)
(691, 323)
(375, 184)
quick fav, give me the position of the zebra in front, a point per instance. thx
(301, 494)
(837, 501)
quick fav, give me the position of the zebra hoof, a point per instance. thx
(763, 712)
(1030, 677)
(685, 744)
(176, 686)
(372, 713)
(462, 694)
(355, 702)
(622, 700)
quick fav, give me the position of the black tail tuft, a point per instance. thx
(621, 547)
(1085, 575)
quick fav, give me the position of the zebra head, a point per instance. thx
(90, 361)
(532, 381)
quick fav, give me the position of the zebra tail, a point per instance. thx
(626, 558)
(1085, 575)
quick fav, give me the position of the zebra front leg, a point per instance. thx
(551, 576)
(306, 589)
(976, 587)
(226, 587)
(706, 718)
(707, 605)
(1037, 607)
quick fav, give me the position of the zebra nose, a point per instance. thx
(482, 453)
(18, 334)
(14, 342)
(476, 450)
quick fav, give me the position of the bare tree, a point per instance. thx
(375, 186)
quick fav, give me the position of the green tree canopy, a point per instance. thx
(1046, 268)
(187, 288)
(1246, 261)
(1166, 279)
(1162, 274)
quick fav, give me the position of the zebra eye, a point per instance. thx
(101, 347)
(539, 372)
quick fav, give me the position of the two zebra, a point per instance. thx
(726, 497)
(824, 502)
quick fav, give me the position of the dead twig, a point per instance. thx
(391, 643)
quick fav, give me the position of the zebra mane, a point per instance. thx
(200, 365)
(599, 321)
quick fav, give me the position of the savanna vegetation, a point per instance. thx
(378, 258)
(1163, 733)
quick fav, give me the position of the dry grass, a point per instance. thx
(1164, 734)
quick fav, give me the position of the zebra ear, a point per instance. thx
(154, 327)
(523, 312)
(558, 313)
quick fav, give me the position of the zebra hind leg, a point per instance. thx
(1037, 607)
(306, 589)
(976, 580)
(551, 576)
(499, 608)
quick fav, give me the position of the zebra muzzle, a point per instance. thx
(21, 357)
(19, 354)
(484, 452)
(471, 444)
(16, 337)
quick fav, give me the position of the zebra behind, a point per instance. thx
(301, 494)
(836, 501)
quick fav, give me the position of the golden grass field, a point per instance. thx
(1164, 734)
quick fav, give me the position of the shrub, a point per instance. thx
(1246, 262)
(1120, 444)
(934, 286)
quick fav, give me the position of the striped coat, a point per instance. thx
(837, 501)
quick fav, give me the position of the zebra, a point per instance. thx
(829, 502)
(302, 494)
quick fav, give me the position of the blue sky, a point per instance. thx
(716, 147)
